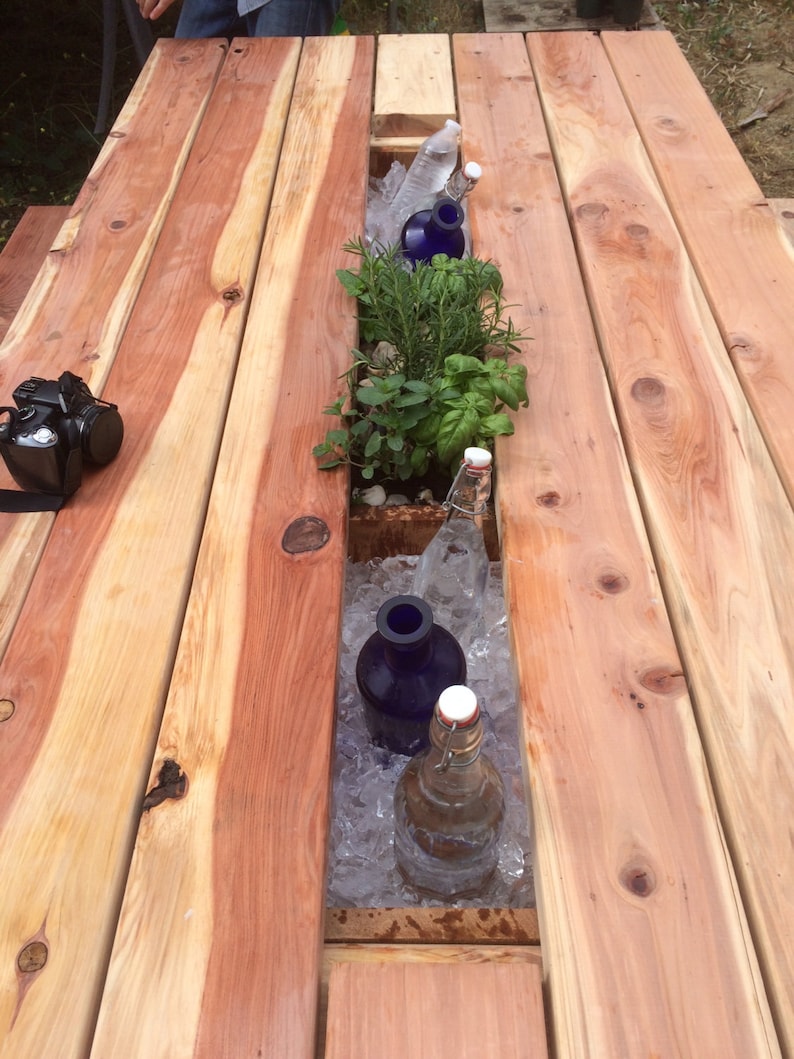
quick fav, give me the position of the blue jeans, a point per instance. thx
(278, 18)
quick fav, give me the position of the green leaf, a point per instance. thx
(373, 445)
(405, 400)
(459, 364)
(456, 431)
(495, 425)
(336, 437)
(371, 396)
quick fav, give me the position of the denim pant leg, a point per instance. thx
(209, 18)
(293, 18)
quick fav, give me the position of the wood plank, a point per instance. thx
(643, 946)
(746, 269)
(23, 256)
(783, 210)
(719, 520)
(469, 926)
(445, 953)
(225, 959)
(412, 1010)
(89, 694)
(102, 251)
(414, 91)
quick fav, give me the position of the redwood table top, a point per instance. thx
(173, 630)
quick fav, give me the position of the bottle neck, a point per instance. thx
(469, 495)
(406, 625)
(413, 657)
(452, 766)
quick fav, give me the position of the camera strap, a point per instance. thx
(17, 502)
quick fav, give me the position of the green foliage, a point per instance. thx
(444, 381)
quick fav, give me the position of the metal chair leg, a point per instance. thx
(142, 42)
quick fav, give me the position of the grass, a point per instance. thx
(50, 58)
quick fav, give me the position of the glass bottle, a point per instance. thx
(463, 181)
(401, 670)
(427, 174)
(449, 805)
(452, 572)
(434, 231)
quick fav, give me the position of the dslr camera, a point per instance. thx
(55, 425)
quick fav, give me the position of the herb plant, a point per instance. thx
(432, 374)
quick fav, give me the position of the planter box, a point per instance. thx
(404, 530)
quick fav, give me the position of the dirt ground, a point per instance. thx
(743, 54)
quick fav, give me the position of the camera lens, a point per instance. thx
(101, 434)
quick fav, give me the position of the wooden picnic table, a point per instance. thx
(169, 639)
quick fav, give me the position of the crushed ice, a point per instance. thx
(362, 872)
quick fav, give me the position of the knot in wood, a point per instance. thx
(671, 128)
(743, 346)
(638, 232)
(638, 879)
(305, 534)
(648, 390)
(32, 957)
(171, 783)
(551, 498)
(663, 681)
(7, 708)
(613, 582)
(592, 212)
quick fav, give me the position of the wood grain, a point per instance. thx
(745, 268)
(721, 525)
(91, 655)
(643, 948)
(75, 313)
(414, 91)
(413, 1010)
(334, 954)
(225, 958)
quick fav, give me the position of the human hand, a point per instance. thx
(153, 8)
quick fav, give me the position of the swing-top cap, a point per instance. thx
(477, 457)
(472, 170)
(457, 704)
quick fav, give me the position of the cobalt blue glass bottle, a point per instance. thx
(435, 231)
(402, 669)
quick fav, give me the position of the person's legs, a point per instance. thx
(209, 18)
(293, 18)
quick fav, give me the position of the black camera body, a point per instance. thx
(55, 426)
